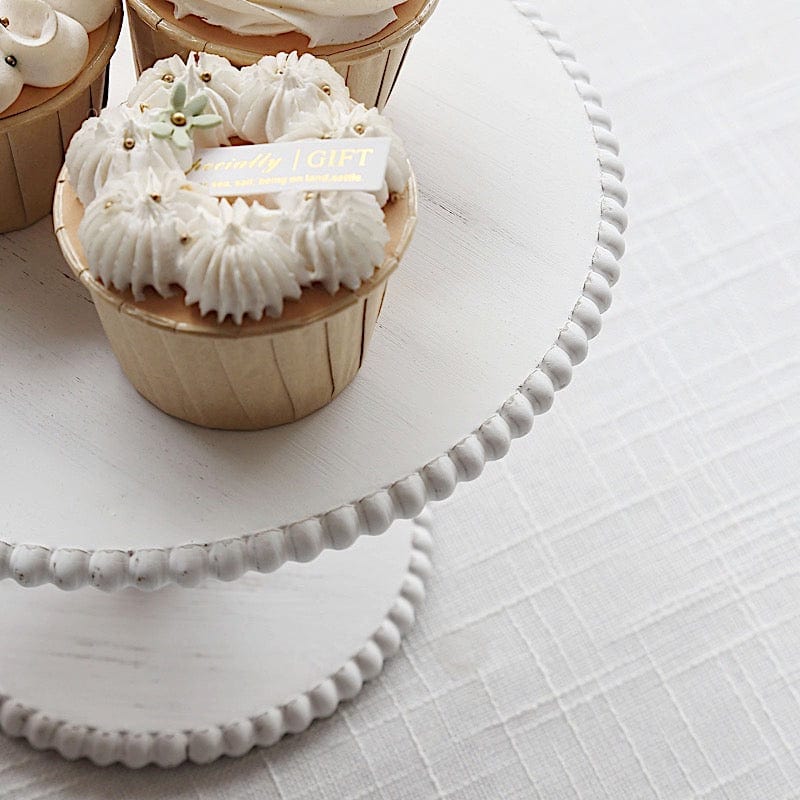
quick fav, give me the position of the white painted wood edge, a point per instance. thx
(228, 559)
(172, 748)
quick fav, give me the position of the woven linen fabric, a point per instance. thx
(616, 609)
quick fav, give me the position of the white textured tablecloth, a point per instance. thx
(616, 612)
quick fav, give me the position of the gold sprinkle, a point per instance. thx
(5, 22)
(326, 88)
(11, 61)
(168, 78)
(108, 205)
(359, 129)
(156, 198)
(205, 77)
(326, 135)
(310, 195)
(129, 143)
(143, 107)
(184, 239)
(178, 119)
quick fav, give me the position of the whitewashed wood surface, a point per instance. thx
(180, 660)
(614, 612)
(510, 197)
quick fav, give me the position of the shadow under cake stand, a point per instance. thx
(210, 611)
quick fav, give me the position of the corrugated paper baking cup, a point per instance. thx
(370, 68)
(36, 131)
(239, 377)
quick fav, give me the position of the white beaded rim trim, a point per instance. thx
(228, 559)
(202, 746)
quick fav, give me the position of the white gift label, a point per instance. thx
(308, 166)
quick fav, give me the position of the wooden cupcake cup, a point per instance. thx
(239, 377)
(36, 131)
(370, 68)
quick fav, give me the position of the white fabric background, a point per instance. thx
(616, 612)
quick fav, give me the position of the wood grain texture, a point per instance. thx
(370, 68)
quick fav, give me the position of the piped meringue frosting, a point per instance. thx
(117, 142)
(277, 89)
(240, 263)
(212, 75)
(133, 236)
(146, 224)
(325, 22)
(44, 43)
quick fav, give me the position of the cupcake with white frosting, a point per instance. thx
(237, 312)
(53, 59)
(365, 40)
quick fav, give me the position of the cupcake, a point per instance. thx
(234, 312)
(53, 59)
(365, 40)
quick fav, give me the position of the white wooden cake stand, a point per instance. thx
(520, 233)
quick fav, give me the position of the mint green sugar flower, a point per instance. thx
(176, 123)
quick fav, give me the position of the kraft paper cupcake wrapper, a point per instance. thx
(370, 68)
(247, 377)
(36, 130)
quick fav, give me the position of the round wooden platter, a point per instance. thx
(520, 233)
(516, 249)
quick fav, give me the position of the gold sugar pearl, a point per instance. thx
(168, 78)
(5, 22)
(184, 239)
(108, 205)
(310, 195)
(326, 89)
(11, 61)
(205, 77)
(156, 198)
(129, 143)
(359, 129)
(178, 119)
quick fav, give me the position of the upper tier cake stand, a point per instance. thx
(517, 248)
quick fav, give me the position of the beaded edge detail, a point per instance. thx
(228, 559)
(202, 746)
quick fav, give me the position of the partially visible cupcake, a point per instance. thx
(365, 40)
(53, 59)
(231, 313)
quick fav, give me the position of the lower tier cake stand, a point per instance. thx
(173, 593)
(268, 653)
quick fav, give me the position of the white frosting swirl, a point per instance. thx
(45, 44)
(132, 232)
(145, 224)
(212, 75)
(341, 236)
(117, 142)
(90, 13)
(238, 263)
(279, 88)
(323, 21)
